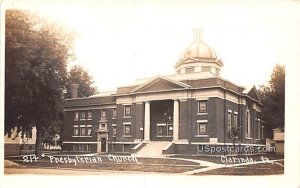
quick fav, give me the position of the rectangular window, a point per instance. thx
(229, 115)
(114, 132)
(75, 147)
(248, 124)
(103, 114)
(189, 70)
(127, 129)
(127, 111)
(82, 116)
(103, 126)
(82, 147)
(202, 106)
(89, 130)
(89, 114)
(76, 116)
(202, 128)
(160, 129)
(258, 130)
(82, 130)
(114, 113)
(76, 130)
(235, 119)
(206, 69)
(170, 130)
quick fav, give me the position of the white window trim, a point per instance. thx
(75, 116)
(82, 136)
(89, 118)
(80, 116)
(236, 113)
(201, 135)
(101, 112)
(201, 121)
(114, 126)
(230, 111)
(198, 107)
(161, 124)
(124, 111)
(114, 117)
(127, 135)
(202, 113)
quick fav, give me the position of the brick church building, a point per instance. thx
(177, 113)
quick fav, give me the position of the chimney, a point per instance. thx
(74, 90)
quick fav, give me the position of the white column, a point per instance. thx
(176, 120)
(147, 122)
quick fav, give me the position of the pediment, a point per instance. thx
(253, 93)
(160, 84)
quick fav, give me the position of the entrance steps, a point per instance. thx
(152, 149)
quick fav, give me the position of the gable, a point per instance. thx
(160, 84)
(253, 94)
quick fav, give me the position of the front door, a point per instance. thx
(103, 144)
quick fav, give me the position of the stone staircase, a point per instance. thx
(152, 149)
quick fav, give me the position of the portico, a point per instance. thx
(161, 122)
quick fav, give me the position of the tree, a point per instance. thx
(36, 56)
(273, 100)
(80, 76)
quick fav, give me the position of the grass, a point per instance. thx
(247, 170)
(158, 165)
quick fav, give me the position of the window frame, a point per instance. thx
(103, 114)
(170, 125)
(189, 70)
(125, 132)
(199, 106)
(199, 133)
(89, 130)
(114, 130)
(248, 125)
(103, 127)
(114, 113)
(206, 69)
(125, 113)
(82, 116)
(229, 120)
(76, 116)
(82, 127)
(89, 115)
(76, 127)
(259, 129)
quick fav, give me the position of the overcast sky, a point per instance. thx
(121, 41)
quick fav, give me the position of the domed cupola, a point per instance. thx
(198, 57)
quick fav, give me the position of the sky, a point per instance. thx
(120, 41)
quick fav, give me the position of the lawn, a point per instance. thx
(144, 164)
(247, 170)
(159, 165)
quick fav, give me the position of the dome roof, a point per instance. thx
(198, 48)
(198, 51)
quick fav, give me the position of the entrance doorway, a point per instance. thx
(103, 144)
(161, 120)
